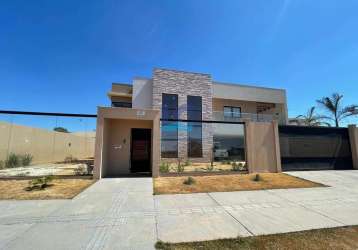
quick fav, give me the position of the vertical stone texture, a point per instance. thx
(184, 84)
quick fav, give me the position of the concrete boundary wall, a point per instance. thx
(353, 138)
(262, 147)
(44, 145)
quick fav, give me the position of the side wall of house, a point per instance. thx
(184, 84)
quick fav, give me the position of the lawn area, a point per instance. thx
(57, 189)
(227, 183)
(321, 239)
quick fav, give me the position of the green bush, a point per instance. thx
(39, 183)
(12, 161)
(210, 167)
(257, 177)
(164, 167)
(187, 162)
(2, 165)
(179, 167)
(26, 159)
(189, 181)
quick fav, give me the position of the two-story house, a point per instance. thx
(179, 115)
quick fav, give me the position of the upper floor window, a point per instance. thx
(122, 104)
(169, 106)
(194, 107)
(232, 112)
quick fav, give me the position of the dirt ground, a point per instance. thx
(226, 183)
(58, 189)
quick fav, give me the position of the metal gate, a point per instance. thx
(314, 148)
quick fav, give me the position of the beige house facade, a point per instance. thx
(177, 115)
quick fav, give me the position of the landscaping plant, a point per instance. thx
(210, 167)
(26, 159)
(164, 167)
(180, 167)
(12, 161)
(189, 181)
(187, 162)
(257, 177)
(39, 183)
(2, 165)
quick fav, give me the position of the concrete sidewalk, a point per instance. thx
(123, 214)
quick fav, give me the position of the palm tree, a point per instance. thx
(310, 119)
(336, 112)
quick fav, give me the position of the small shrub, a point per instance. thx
(187, 162)
(235, 166)
(81, 169)
(2, 165)
(180, 167)
(164, 167)
(39, 183)
(189, 181)
(12, 161)
(26, 159)
(210, 167)
(257, 177)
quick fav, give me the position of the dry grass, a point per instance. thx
(58, 189)
(226, 183)
(321, 239)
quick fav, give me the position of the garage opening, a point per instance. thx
(314, 148)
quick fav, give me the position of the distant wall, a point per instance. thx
(44, 145)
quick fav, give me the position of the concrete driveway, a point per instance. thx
(123, 214)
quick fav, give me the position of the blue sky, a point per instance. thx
(62, 56)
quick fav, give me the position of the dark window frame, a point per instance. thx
(122, 104)
(194, 113)
(232, 114)
(169, 111)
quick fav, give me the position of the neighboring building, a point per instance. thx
(172, 115)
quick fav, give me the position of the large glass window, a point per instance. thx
(195, 140)
(169, 129)
(229, 142)
(232, 112)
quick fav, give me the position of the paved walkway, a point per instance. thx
(123, 214)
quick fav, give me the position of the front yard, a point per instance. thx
(322, 239)
(227, 183)
(56, 189)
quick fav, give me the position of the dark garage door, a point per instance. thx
(314, 148)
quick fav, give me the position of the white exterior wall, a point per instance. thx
(142, 93)
(248, 93)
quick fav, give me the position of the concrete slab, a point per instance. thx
(165, 202)
(281, 219)
(11, 209)
(9, 233)
(198, 227)
(60, 235)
